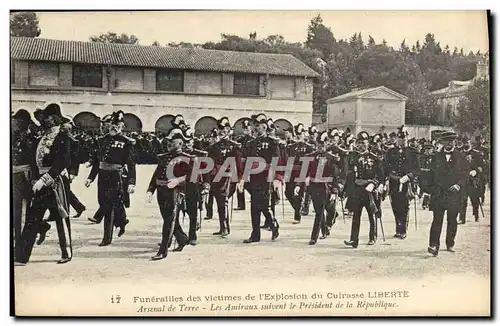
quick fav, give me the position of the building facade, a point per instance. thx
(152, 84)
(373, 110)
(449, 97)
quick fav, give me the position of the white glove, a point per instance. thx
(241, 186)
(404, 179)
(473, 173)
(172, 183)
(276, 184)
(38, 186)
(308, 180)
(454, 188)
(88, 164)
(72, 177)
(370, 187)
(380, 188)
(88, 182)
(340, 186)
(480, 169)
(296, 191)
(131, 189)
(149, 197)
(333, 197)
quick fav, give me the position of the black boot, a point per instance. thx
(44, 228)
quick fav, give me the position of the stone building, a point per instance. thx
(449, 97)
(371, 110)
(151, 84)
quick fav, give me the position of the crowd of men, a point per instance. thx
(364, 170)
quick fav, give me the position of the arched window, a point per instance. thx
(281, 125)
(204, 125)
(238, 126)
(87, 121)
(132, 122)
(164, 123)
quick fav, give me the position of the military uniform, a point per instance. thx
(241, 195)
(22, 151)
(49, 162)
(321, 191)
(402, 169)
(368, 175)
(448, 180)
(73, 171)
(113, 153)
(473, 190)
(223, 188)
(297, 150)
(425, 161)
(260, 189)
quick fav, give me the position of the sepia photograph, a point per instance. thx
(260, 163)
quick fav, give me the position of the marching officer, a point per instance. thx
(22, 153)
(260, 188)
(195, 191)
(402, 167)
(449, 178)
(247, 136)
(223, 188)
(425, 159)
(51, 159)
(294, 191)
(113, 153)
(169, 180)
(74, 169)
(474, 185)
(323, 192)
(368, 179)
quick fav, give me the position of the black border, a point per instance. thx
(491, 34)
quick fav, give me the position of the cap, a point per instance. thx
(223, 123)
(363, 135)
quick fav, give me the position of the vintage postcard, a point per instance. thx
(251, 163)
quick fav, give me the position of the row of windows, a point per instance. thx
(92, 76)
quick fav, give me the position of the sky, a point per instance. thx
(463, 29)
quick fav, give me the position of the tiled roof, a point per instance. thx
(363, 92)
(38, 49)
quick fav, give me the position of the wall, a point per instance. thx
(149, 107)
(205, 93)
(381, 112)
(424, 131)
(341, 113)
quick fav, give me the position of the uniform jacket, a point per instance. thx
(180, 169)
(115, 150)
(444, 175)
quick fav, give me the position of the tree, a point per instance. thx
(474, 111)
(156, 43)
(112, 37)
(320, 37)
(24, 24)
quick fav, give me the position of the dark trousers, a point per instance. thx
(110, 196)
(306, 203)
(319, 199)
(74, 202)
(169, 210)
(474, 199)
(261, 203)
(295, 201)
(241, 197)
(43, 201)
(437, 225)
(222, 210)
(400, 208)
(99, 215)
(20, 202)
(362, 202)
(192, 198)
(210, 205)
